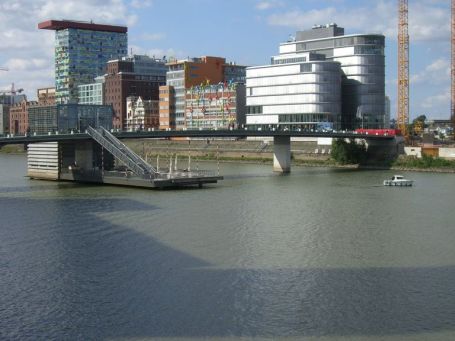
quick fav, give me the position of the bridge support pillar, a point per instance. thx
(282, 154)
(84, 154)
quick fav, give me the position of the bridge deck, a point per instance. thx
(190, 133)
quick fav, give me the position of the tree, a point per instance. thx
(350, 152)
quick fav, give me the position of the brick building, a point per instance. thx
(18, 117)
(123, 80)
(46, 96)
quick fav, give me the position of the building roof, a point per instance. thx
(57, 25)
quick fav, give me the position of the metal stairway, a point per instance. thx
(121, 152)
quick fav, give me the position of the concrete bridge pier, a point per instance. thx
(282, 154)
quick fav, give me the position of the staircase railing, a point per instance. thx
(133, 156)
(121, 152)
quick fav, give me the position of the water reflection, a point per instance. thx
(74, 275)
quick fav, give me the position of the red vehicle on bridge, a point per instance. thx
(390, 132)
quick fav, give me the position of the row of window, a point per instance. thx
(340, 42)
(297, 98)
(293, 89)
(294, 79)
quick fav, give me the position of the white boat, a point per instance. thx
(398, 180)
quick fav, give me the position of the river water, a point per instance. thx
(318, 254)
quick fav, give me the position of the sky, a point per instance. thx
(247, 32)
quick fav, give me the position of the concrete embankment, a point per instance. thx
(241, 150)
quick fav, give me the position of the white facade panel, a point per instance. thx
(292, 109)
(343, 51)
(288, 48)
(287, 99)
(275, 70)
(261, 119)
(283, 80)
(43, 160)
(295, 89)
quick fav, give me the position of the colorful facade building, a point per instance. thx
(218, 106)
(187, 73)
(81, 52)
(141, 114)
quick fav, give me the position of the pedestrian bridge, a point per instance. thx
(89, 148)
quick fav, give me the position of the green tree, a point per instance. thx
(350, 152)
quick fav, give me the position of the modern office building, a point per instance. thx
(361, 57)
(294, 92)
(124, 78)
(141, 114)
(191, 72)
(81, 52)
(362, 62)
(64, 118)
(92, 93)
(219, 106)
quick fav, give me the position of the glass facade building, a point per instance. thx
(64, 118)
(294, 93)
(92, 93)
(362, 62)
(81, 53)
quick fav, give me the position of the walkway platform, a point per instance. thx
(178, 179)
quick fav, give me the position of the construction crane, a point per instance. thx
(452, 45)
(12, 92)
(403, 67)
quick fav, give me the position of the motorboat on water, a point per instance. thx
(398, 180)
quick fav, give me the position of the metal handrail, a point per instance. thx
(132, 155)
(117, 152)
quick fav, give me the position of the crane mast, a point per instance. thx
(403, 67)
(452, 72)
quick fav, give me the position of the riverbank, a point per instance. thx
(13, 149)
(303, 154)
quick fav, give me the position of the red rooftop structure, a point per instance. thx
(57, 25)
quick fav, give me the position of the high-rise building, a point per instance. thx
(125, 78)
(187, 73)
(363, 64)
(81, 52)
